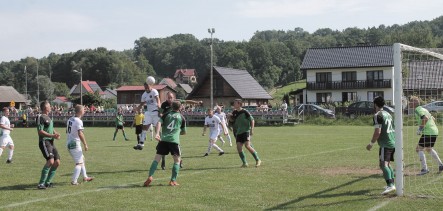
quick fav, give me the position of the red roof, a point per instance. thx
(139, 88)
(185, 72)
(62, 98)
(169, 82)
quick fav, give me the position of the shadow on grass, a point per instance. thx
(324, 194)
(110, 172)
(32, 186)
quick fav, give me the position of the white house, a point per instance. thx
(342, 74)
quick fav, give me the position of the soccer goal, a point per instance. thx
(418, 77)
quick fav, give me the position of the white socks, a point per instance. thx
(76, 173)
(143, 137)
(84, 171)
(422, 156)
(435, 156)
(11, 152)
(1, 151)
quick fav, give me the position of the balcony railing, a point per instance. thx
(363, 84)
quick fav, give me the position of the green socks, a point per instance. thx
(153, 168)
(44, 175)
(242, 157)
(175, 169)
(50, 175)
(255, 156)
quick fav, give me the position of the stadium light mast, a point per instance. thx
(26, 84)
(212, 31)
(81, 84)
(38, 87)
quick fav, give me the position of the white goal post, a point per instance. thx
(405, 57)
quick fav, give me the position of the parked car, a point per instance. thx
(364, 108)
(436, 106)
(312, 109)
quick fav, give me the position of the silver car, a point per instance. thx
(436, 106)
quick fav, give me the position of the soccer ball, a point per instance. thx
(150, 80)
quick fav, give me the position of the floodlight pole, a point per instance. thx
(81, 85)
(212, 31)
(26, 82)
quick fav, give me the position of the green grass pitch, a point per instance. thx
(304, 168)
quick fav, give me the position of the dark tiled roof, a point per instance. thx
(421, 75)
(243, 83)
(348, 57)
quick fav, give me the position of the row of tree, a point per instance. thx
(272, 57)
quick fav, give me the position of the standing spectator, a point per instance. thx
(384, 134)
(243, 127)
(119, 125)
(5, 139)
(47, 134)
(429, 132)
(74, 130)
(284, 106)
(173, 124)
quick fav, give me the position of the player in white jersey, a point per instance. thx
(5, 139)
(220, 114)
(213, 122)
(151, 99)
(75, 136)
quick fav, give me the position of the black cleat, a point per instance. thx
(41, 186)
(221, 153)
(206, 154)
(9, 161)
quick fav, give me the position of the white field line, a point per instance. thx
(139, 182)
(379, 206)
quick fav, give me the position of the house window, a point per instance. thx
(323, 77)
(348, 76)
(372, 95)
(374, 75)
(349, 96)
(324, 97)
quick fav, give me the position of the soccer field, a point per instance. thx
(304, 168)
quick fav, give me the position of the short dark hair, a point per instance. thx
(43, 105)
(176, 105)
(5, 109)
(379, 101)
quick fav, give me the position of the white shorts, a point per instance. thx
(220, 127)
(151, 118)
(6, 140)
(213, 134)
(77, 155)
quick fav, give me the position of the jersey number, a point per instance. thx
(171, 125)
(68, 130)
(389, 128)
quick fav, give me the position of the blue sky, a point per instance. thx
(36, 28)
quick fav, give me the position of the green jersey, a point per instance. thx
(383, 120)
(45, 123)
(172, 124)
(430, 127)
(242, 121)
(119, 120)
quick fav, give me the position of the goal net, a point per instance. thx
(418, 80)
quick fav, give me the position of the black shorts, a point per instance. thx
(242, 138)
(427, 140)
(164, 148)
(386, 154)
(119, 127)
(138, 129)
(48, 150)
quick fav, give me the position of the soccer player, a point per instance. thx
(165, 108)
(384, 134)
(429, 132)
(173, 125)
(119, 124)
(243, 127)
(152, 100)
(138, 122)
(5, 139)
(214, 123)
(74, 132)
(223, 126)
(47, 134)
